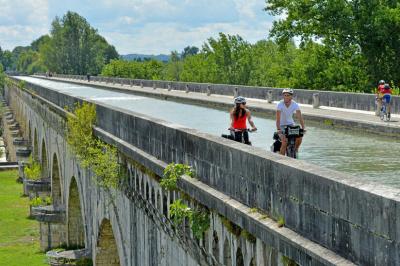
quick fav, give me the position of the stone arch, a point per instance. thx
(76, 231)
(165, 205)
(29, 131)
(227, 253)
(252, 262)
(215, 245)
(35, 146)
(106, 249)
(44, 160)
(142, 188)
(159, 201)
(239, 257)
(153, 197)
(137, 187)
(56, 182)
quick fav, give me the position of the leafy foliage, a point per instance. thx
(75, 47)
(352, 31)
(150, 69)
(33, 170)
(2, 77)
(199, 219)
(39, 201)
(200, 222)
(179, 211)
(93, 153)
(231, 60)
(174, 171)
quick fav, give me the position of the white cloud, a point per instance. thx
(155, 38)
(22, 22)
(139, 26)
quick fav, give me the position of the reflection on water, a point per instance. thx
(367, 156)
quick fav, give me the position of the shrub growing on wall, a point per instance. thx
(33, 170)
(92, 153)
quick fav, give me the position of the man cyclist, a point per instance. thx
(284, 117)
(385, 94)
(239, 116)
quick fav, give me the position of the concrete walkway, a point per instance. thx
(329, 116)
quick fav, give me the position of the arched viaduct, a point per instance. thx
(325, 223)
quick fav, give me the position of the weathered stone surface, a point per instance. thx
(69, 257)
(332, 209)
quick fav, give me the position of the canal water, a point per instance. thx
(366, 156)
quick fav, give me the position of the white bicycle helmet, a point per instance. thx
(240, 99)
(382, 82)
(287, 90)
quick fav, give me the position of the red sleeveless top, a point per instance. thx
(240, 122)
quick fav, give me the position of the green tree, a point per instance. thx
(232, 57)
(188, 51)
(363, 29)
(199, 68)
(6, 60)
(174, 67)
(272, 65)
(75, 47)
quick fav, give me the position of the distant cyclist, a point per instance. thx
(239, 116)
(284, 117)
(385, 95)
(381, 85)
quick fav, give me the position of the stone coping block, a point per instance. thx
(49, 214)
(41, 185)
(20, 141)
(23, 152)
(69, 257)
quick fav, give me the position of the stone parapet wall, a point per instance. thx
(355, 220)
(359, 101)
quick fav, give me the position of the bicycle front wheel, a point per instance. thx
(291, 151)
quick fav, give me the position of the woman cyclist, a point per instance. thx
(239, 115)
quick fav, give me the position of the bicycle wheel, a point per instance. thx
(382, 114)
(291, 151)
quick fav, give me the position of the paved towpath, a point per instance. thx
(350, 118)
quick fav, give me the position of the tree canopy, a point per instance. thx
(73, 47)
(360, 33)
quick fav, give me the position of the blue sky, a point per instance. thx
(139, 26)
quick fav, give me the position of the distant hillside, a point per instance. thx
(160, 57)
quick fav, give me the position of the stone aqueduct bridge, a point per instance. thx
(330, 218)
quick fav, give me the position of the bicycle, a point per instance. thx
(383, 112)
(239, 135)
(291, 133)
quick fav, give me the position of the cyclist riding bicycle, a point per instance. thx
(239, 115)
(381, 85)
(284, 117)
(385, 95)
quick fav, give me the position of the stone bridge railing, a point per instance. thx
(356, 220)
(132, 227)
(359, 101)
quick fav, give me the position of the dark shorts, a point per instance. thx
(386, 98)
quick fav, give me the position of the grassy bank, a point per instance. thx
(19, 236)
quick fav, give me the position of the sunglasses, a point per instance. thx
(287, 95)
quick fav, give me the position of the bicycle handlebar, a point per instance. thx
(242, 130)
